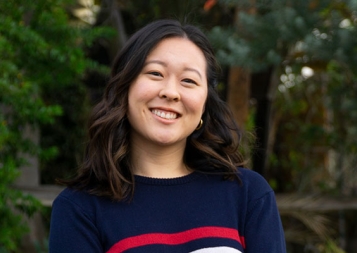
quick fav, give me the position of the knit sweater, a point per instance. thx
(194, 213)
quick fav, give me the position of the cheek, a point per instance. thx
(137, 93)
(142, 89)
(134, 97)
(197, 103)
(130, 103)
(203, 99)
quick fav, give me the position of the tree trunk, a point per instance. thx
(238, 94)
(260, 89)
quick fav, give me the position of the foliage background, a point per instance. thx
(52, 71)
(42, 65)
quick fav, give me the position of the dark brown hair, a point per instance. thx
(106, 170)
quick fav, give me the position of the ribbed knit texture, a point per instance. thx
(195, 213)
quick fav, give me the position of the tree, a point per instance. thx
(40, 52)
(288, 35)
(278, 42)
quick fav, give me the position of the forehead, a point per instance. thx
(179, 49)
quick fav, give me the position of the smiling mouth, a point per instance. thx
(165, 115)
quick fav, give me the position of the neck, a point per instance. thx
(158, 161)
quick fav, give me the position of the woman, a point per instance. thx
(162, 172)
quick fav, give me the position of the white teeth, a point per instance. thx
(167, 115)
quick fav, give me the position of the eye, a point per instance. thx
(155, 73)
(187, 80)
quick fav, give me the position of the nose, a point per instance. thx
(170, 91)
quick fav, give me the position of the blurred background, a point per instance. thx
(289, 74)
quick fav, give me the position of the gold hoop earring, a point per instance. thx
(199, 125)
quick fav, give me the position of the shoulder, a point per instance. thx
(72, 195)
(250, 187)
(77, 199)
(250, 181)
(254, 184)
(261, 220)
(252, 178)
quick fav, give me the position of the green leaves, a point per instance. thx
(268, 32)
(42, 59)
(314, 121)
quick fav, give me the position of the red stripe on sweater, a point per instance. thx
(176, 238)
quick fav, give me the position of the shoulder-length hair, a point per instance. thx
(106, 169)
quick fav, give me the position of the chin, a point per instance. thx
(165, 142)
(168, 141)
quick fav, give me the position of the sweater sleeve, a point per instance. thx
(72, 229)
(264, 232)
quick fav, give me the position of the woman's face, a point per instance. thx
(167, 99)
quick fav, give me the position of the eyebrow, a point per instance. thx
(165, 65)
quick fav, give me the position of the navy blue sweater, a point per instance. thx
(194, 213)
